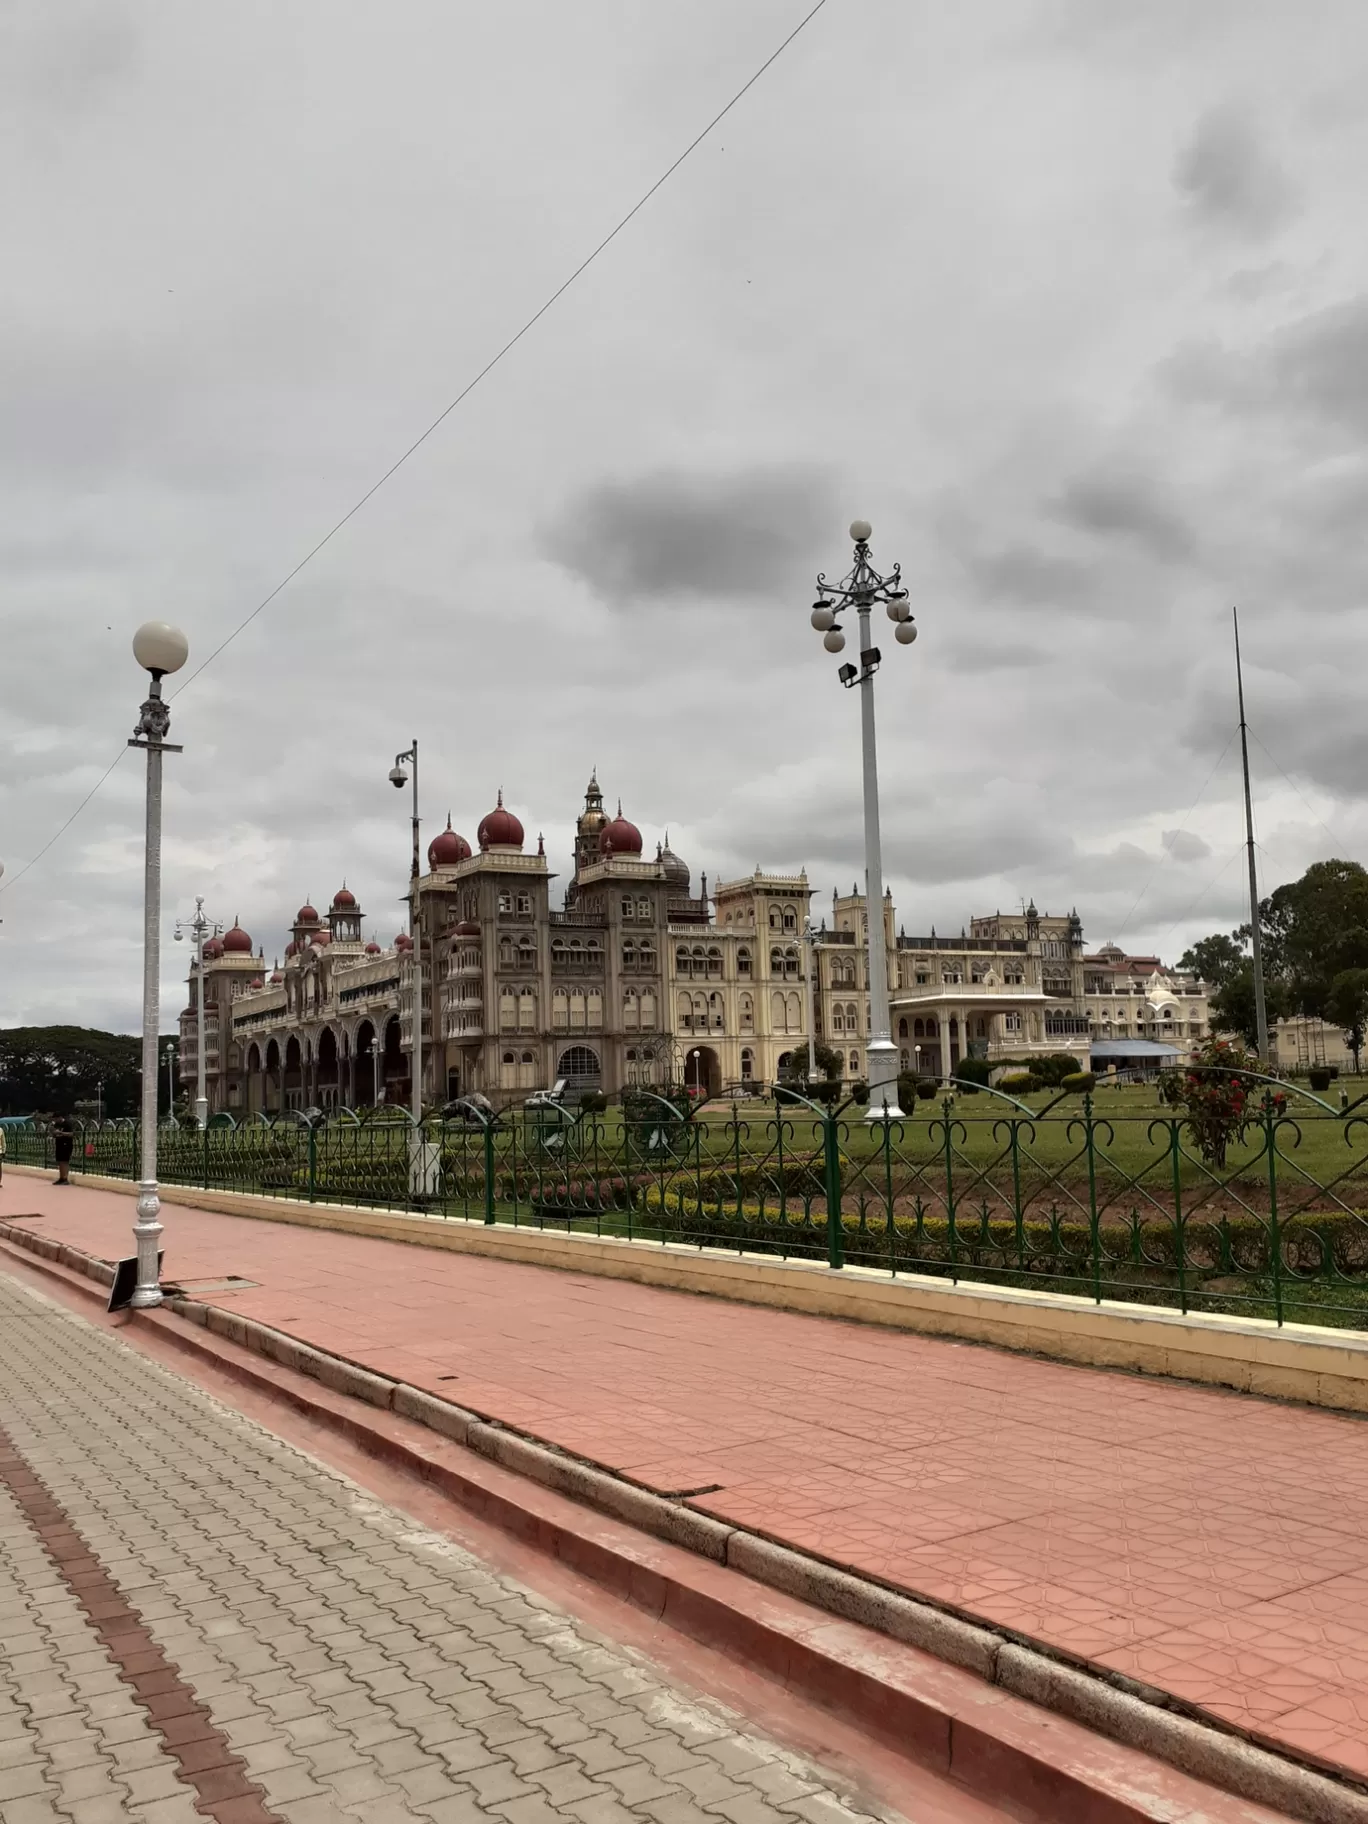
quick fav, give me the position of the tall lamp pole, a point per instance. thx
(860, 589)
(808, 959)
(169, 1059)
(160, 650)
(1255, 936)
(200, 928)
(398, 779)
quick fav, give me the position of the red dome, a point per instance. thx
(236, 942)
(213, 949)
(306, 916)
(372, 949)
(290, 948)
(447, 848)
(344, 900)
(403, 941)
(467, 928)
(277, 975)
(500, 829)
(620, 837)
(257, 982)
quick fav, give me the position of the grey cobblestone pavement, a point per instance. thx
(360, 1667)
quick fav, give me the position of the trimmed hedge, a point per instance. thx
(1313, 1246)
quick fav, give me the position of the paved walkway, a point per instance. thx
(197, 1621)
(1205, 1542)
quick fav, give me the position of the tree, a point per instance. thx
(1215, 959)
(829, 1064)
(1346, 1004)
(1232, 1005)
(1315, 929)
(49, 1069)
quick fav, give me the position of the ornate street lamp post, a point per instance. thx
(159, 649)
(860, 589)
(200, 928)
(399, 778)
(809, 960)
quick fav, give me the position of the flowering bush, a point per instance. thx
(1218, 1098)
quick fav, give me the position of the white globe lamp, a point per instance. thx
(860, 530)
(905, 632)
(160, 648)
(834, 641)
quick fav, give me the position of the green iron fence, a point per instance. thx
(1106, 1197)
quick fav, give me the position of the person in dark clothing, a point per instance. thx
(62, 1140)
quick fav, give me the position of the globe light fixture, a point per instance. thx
(159, 649)
(860, 589)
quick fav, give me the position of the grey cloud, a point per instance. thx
(1023, 572)
(675, 534)
(1185, 845)
(1228, 178)
(988, 653)
(1130, 506)
(62, 59)
(1315, 369)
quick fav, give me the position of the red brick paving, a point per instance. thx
(1208, 1543)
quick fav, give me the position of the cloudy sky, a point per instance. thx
(1069, 297)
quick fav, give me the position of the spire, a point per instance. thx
(499, 806)
(541, 844)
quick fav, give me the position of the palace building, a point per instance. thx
(637, 979)
(1012, 986)
(633, 979)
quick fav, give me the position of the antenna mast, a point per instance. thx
(1255, 942)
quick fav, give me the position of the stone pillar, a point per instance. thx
(944, 1027)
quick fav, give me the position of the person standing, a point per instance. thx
(62, 1141)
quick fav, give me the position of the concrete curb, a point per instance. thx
(1139, 1717)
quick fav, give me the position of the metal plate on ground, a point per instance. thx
(125, 1281)
(233, 1283)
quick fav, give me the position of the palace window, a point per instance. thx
(854, 1063)
(743, 960)
(505, 902)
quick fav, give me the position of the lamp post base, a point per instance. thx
(883, 1081)
(201, 1111)
(147, 1232)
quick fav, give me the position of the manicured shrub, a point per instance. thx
(1079, 1082)
(926, 1089)
(1017, 1083)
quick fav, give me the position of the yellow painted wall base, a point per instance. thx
(1318, 1365)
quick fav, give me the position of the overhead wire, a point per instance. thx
(1315, 815)
(1167, 848)
(446, 411)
